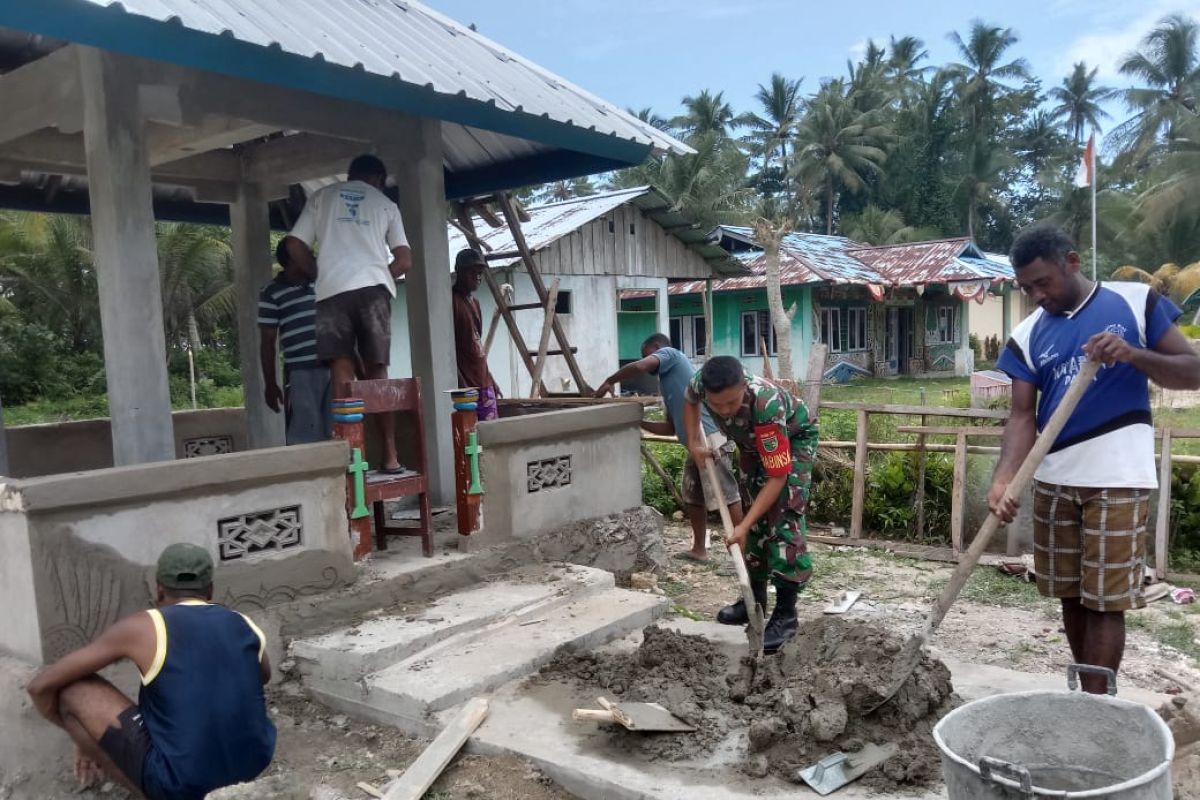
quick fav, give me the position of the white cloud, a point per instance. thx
(859, 48)
(1106, 46)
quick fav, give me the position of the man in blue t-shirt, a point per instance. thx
(1091, 492)
(674, 372)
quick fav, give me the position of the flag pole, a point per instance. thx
(1095, 177)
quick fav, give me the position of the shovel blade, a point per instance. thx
(903, 667)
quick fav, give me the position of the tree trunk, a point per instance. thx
(971, 219)
(829, 205)
(769, 234)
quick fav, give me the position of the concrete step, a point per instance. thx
(349, 654)
(409, 693)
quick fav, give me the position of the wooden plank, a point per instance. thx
(917, 411)
(922, 459)
(957, 498)
(1162, 526)
(994, 431)
(860, 475)
(542, 355)
(540, 287)
(417, 779)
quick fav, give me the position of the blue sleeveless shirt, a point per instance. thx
(202, 702)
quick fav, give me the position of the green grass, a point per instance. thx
(96, 406)
(898, 391)
(990, 587)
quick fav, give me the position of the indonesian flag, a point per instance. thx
(1087, 174)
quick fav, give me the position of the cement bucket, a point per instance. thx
(1055, 744)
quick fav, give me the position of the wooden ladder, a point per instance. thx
(535, 361)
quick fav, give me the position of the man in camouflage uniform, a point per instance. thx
(777, 442)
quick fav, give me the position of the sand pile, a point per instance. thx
(803, 704)
(1182, 716)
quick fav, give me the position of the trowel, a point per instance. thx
(642, 717)
(837, 769)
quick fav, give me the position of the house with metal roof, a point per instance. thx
(888, 310)
(205, 110)
(613, 255)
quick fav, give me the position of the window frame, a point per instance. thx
(951, 315)
(863, 313)
(761, 317)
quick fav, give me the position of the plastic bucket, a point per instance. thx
(1055, 744)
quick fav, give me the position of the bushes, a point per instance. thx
(654, 491)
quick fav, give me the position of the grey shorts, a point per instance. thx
(357, 322)
(695, 488)
(309, 418)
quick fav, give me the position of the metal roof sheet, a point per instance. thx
(401, 40)
(549, 223)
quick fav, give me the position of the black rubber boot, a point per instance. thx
(782, 625)
(735, 613)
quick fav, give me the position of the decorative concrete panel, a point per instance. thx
(207, 446)
(548, 473)
(247, 534)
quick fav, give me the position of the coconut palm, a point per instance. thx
(197, 280)
(904, 56)
(1174, 193)
(985, 168)
(705, 113)
(772, 130)
(875, 226)
(1079, 100)
(981, 72)
(648, 116)
(838, 147)
(1169, 66)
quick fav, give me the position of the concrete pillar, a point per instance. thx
(126, 258)
(422, 195)
(1006, 313)
(250, 224)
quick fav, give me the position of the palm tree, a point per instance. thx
(875, 226)
(561, 191)
(981, 72)
(985, 167)
(648, 116)
(1174, 192)
(837, 146)
(1169, 65)
(1079, 100)
(771, 131)
(904, 55)
(705, 113)
(197, 280)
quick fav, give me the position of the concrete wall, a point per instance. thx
(77, 552)
(519, 454)
(60, 447)
(591, 327)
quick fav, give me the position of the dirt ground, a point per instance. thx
(999, 620)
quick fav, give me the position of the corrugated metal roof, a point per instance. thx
(459, 75)
(551, 222)
(809, 258)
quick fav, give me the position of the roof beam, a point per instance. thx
(42, 94)
(169, 143)
(297, 158)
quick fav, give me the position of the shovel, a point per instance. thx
(836, 770)
(910, 656)
(642, 717)
(754, 631)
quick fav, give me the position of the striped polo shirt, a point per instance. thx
(292, 308)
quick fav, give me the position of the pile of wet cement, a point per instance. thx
(805, 702)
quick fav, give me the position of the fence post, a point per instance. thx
(957, 511)
(1162, 525)
(860, 476)
(921, 482)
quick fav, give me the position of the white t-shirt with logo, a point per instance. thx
(354, 227)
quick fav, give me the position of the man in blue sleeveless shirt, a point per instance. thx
(1091, 493)
(200, 722)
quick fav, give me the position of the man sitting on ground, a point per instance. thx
(200, 722)
(362, 252)
(674, 372)
(777, 442)
(286, 314)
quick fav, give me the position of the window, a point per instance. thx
(756, 327)
(562, 304)
(831, 329)
(947, 329)
(689, 334)
(856, 329)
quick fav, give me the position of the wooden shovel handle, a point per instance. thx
(593, 714)
(735, 552)
(1041, 446)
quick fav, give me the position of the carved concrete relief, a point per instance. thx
(258, 532)
(207, 446)
(548, 473)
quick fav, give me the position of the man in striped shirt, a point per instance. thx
(287, 315)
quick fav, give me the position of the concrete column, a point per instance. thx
(1006, 313)
(250, 224)
(126, 258)
(422, 195)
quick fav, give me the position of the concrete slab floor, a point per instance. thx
(534, 722)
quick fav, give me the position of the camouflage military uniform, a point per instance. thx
(775, 437)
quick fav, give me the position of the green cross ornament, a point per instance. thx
(473, 450)
(358, 468)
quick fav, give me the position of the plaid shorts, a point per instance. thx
(695, 489)
(1090, 543)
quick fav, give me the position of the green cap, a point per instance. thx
(185, 566)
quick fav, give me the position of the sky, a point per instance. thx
(639, 53)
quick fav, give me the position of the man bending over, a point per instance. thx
(200, 722)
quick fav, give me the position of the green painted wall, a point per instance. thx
(727, 322)
(632, 329)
